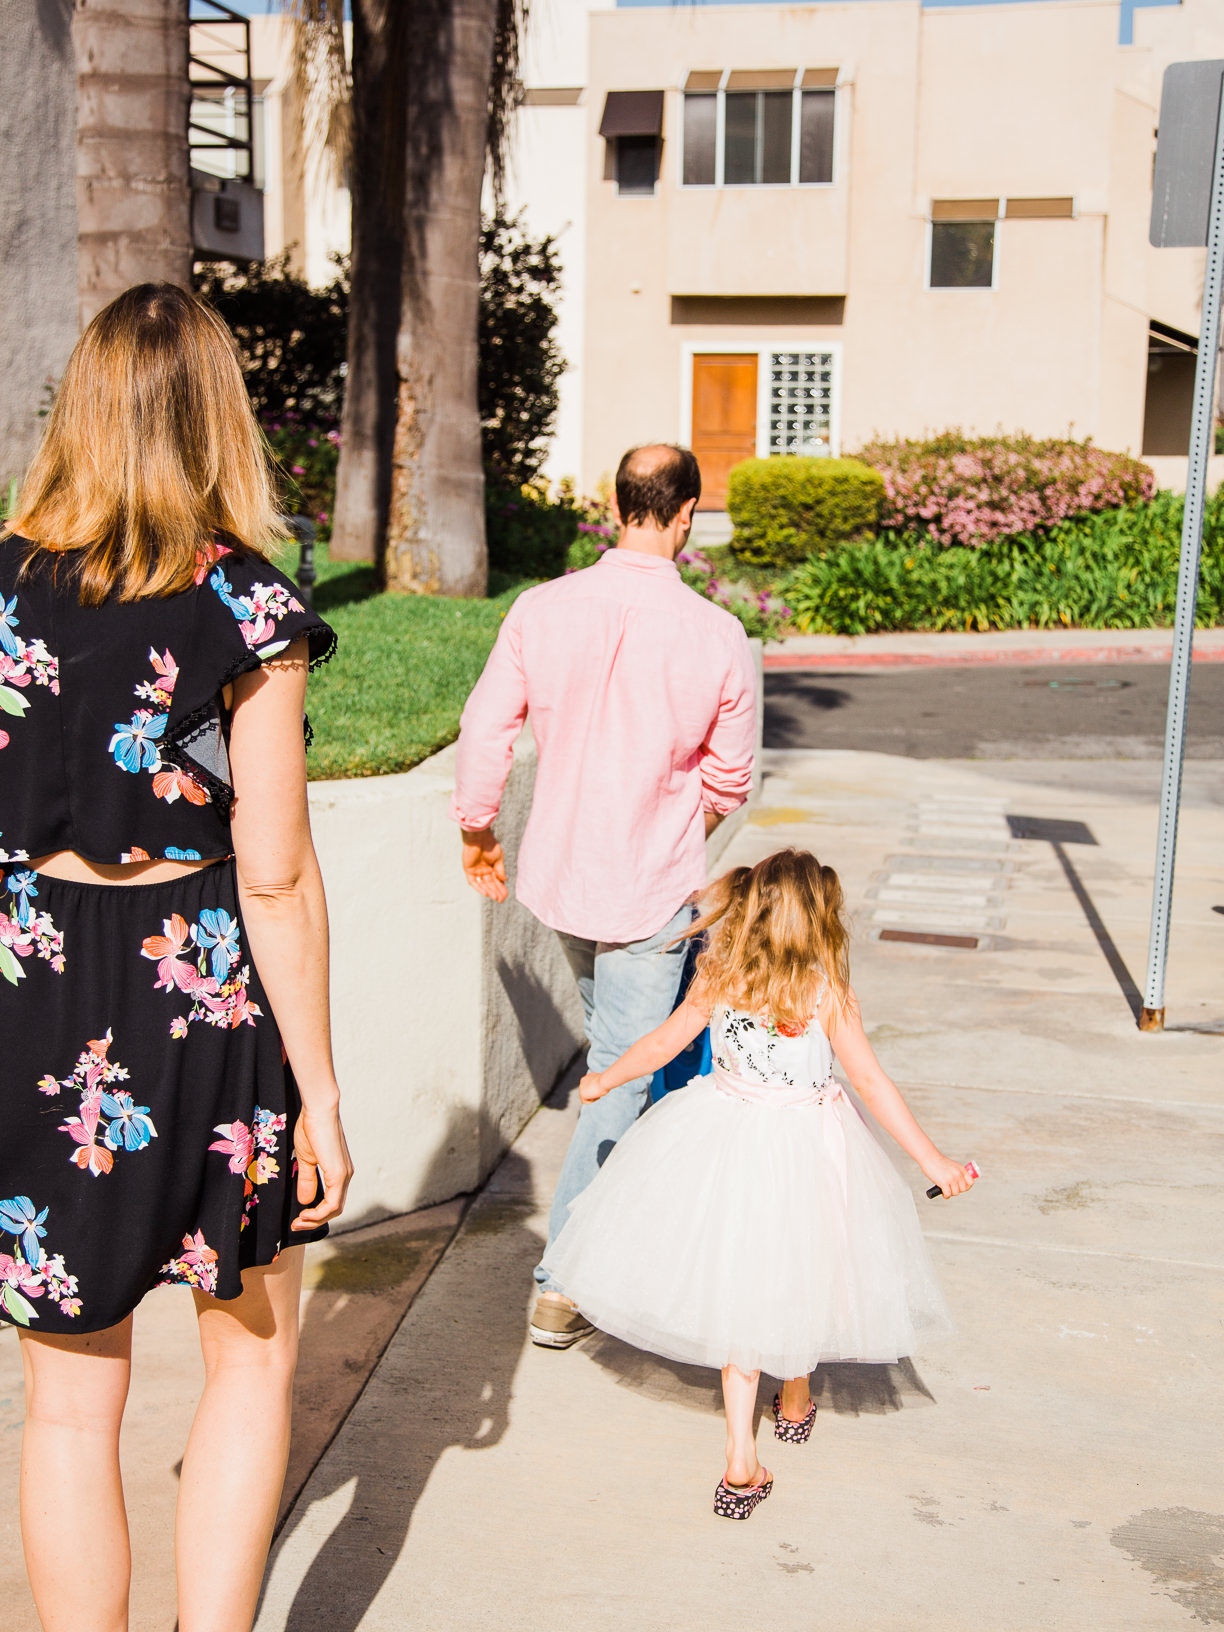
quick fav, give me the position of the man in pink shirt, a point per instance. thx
(642, 700)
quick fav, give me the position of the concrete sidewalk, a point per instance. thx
(1057, 1466)
(955, 648)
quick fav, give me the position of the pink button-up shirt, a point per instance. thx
(642, 697)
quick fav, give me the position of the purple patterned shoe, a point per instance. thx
(793, 1433)
(737, 1502)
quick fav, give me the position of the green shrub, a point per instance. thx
(1113, 570)
(786, 507)
(291, 338)
(520, 362)
(529, 534)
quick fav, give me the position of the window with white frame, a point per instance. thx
(800, 388)
(773, 128)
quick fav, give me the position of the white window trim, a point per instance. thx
(961, 288)
(762, 351)
(720, 145)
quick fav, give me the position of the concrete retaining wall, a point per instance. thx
(453, 1016)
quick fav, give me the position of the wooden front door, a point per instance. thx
(724, 419)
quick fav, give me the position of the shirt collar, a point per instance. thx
(639, 561)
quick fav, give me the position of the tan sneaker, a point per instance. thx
(557, 1325)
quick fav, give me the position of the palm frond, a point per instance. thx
(322, 81)
(505, 87)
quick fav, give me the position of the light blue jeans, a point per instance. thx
(627, 990)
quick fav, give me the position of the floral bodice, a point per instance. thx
(756, 1051)
(113, 733)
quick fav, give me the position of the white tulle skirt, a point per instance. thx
(725, 1232)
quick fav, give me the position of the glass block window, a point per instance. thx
(800, 402)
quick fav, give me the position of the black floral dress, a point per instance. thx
(148, 1107)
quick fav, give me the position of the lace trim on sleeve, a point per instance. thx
(197, 743)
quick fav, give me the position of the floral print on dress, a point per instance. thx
(110, 1120)
(258, 612)
(27, 1272)
(25, 932)
(196, 1266)
(22, 664)
(136, 746)
(252, 1152)
(202, 960)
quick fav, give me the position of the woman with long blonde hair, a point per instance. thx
(751, 1221)
(170, 1104)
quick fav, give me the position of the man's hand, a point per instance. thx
(484, 864)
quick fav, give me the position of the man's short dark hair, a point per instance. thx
(653, 482)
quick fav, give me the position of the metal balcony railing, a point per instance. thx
(220, 118)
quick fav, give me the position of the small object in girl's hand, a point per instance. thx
(970, 1167)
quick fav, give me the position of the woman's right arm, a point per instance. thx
(281, 893)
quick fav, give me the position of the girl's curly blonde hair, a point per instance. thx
(776, 936)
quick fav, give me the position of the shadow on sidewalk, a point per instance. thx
(848, 1389)
(1059, 834)
(443, 1384)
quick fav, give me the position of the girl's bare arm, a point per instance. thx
(651, 1051)
(843, 1024)
(281, 893)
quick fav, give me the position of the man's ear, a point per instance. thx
(615, 509)
(686, 513)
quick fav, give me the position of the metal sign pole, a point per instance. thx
(1201, 434)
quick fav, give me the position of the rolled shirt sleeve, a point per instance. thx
(728, 754)
(492, 719)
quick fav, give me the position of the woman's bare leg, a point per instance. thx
(739, 1397)
(234, 1466)
(796, 1399)
(73, 1522)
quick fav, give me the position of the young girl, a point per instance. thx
(751, 1221)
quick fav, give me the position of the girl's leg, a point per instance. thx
(739, 1397)
(73, 1523)
(796, 1398)
(234, 1466)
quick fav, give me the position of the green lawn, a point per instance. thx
(393, 693)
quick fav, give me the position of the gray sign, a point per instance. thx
(1185, 152)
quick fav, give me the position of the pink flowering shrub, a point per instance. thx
(972, 490)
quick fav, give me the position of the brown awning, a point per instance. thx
(761, 79)
(632, 113)
(815, 79)
(964, 209)
(1040, 209)
(704, 79)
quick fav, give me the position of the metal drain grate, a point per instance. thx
(923, 937)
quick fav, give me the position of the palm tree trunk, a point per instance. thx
(378, 136)
(133, 197)
(436, 537)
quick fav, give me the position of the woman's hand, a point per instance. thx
(950, 1176)
(591, 1087)
(321, 1151)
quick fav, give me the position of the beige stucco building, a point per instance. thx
(840, 220)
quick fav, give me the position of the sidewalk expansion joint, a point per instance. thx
(1067, 1251)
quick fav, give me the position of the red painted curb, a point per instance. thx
(968, 659)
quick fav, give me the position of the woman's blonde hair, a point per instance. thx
(151, 451)
(775, 937)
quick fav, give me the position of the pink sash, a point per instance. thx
(764, 1093)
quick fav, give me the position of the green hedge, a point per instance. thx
(1115, 570)
(786, 507)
